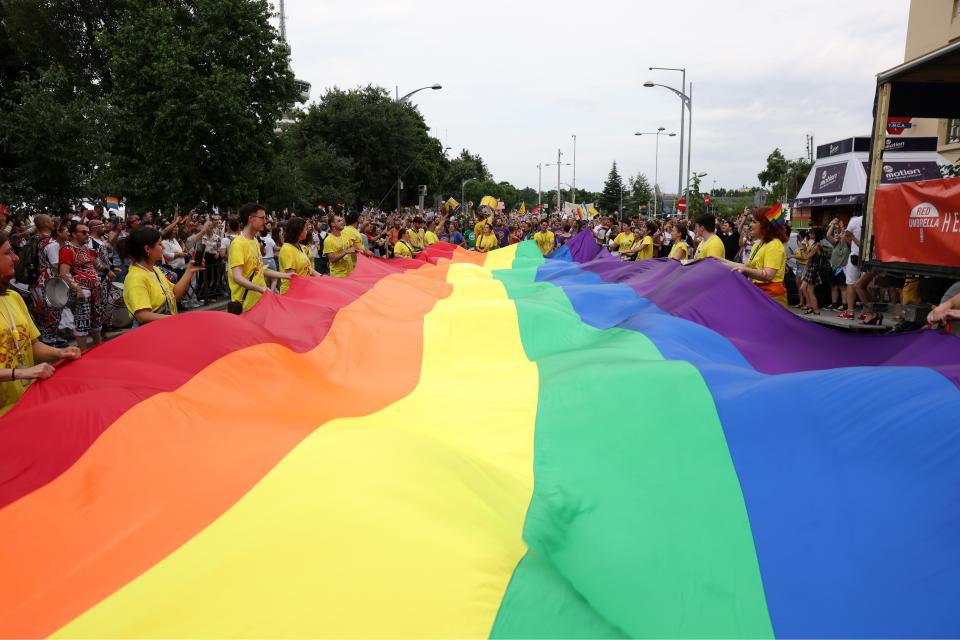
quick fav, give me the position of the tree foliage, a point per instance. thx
(613, 187)
(784, 177)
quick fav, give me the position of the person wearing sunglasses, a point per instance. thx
(78, 268)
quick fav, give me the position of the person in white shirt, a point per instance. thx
(173, 252)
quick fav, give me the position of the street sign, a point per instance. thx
(706, 199)
(681, 205)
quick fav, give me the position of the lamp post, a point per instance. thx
(539, 184)
(400, 100)
(574, 187)
(558, 164)
(463, 190)
(683, 87)
(656, 158)
(686, 100)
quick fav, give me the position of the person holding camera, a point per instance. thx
(246, 271)
(147, 292)
(767, 263)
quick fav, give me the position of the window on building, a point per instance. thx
(953, 131)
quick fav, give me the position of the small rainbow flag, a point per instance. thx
(113, 204)
(431, 455)
(775, 214)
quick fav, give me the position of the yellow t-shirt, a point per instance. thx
(711, 247)
(488, 242)
(679, 251)
(430, 238)
(22, 333)
(416, 239)
(769, 255)
(624, 241)
(478, 228)
(402, 249)
(294, 259)
(545, 240)
(144, 289)
(245, 253)
(803, 248)
(354, 236)
(646, 248)
(332, 244)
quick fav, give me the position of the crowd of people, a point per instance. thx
(90, 270)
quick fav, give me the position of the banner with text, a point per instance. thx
(918, 222)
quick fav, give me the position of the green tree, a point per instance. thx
(783, 177)
(640, 196)
(198, 87)
(612, 190)
(464, 167)
(695, 204)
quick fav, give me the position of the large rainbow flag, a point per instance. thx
(489, 445)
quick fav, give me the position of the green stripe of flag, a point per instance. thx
(637, 525)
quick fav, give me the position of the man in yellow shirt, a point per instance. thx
(710, 245)
(417, 235)
(403, 248)
(431, 237)
(247, 273)
(624, 240)
(338, 247)
(544, 239)
(350, 231)
(482, 219)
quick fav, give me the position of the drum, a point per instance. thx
(116, 309)
(56, 293)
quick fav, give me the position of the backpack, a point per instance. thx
(27, 268)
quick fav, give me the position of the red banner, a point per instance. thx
(918, 222)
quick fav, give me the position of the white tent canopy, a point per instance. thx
(839, 176)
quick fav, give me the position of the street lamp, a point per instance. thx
(656, 162)
(683, 87)
(400, 100)
(574, 187)
(686, 100)
(539, 184)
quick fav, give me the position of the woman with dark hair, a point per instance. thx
(487, 240)
(78, 268)
(679, 249)
(20, 345)
(768, 258)
(294, 254)
(812, 278)
(147, 293)
(642, 249)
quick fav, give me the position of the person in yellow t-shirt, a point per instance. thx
(338, 248)
(430, 237)
(545, 239)
(350, 231)
(20, 346)
(403, 247)
(624, 240)
(710, 245)
(487, 240)
(679, 250)
(147, 293)
(768, 258)
(417, 235)
(484, 216)
(642, 249)
(294, 256)
(247, 274)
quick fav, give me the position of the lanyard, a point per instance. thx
(167, 293)
(14, 330)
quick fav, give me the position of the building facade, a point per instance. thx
(933, 24)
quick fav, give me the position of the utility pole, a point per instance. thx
(283, 22)
(574, 185)
(560, 163)
(689, 132)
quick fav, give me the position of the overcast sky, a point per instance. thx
(519, 77)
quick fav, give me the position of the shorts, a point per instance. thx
(852, 273)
